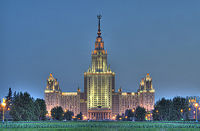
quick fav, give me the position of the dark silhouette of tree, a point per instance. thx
(180, 108)
(9, 99)
(140, 113)
(43, 110)
(24, 108)
(68, 115)
(36, 111)
(118, 117)
(57, 113)
(163, 110)
(79, 116)
(129, 114)
(169, 110)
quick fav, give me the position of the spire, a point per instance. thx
(99, 29)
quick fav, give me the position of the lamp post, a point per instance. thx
(182, 114)
(3, 105)
(196, 106)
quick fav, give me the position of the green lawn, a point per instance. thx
(99, 129)
(99, 126)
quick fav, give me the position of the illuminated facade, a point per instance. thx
(55, 97)
(99, 82)
(99, 100)
(144, 97)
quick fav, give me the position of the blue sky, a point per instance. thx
(158, 37)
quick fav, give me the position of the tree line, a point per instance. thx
(137, 114)
(57, 113)
(23, 107)
(171, 110)
(175, 109)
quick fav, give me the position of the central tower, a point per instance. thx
(99, 82)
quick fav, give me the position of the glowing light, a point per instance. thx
(142, 82)
(4, 103)
(152, 90)
(196, 105)
(51, 75)
(113, 117)
(48, 91)
(181, 110)
(124, 93)
(69, 93)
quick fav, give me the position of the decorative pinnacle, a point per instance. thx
(99, 29)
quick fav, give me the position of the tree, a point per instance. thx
(9, 99)
(140, 113)
(163, 110)
(36, 111)
(156, 114)
(118, 117)
(129, 114)
(180, 108)
(43, 110)
(23, 107)
(79, 116)
(168, 110)
(57, 113)
(68, 115)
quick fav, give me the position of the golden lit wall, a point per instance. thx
(71, 101)
(52, 99)
(128, 101)
(99, 89)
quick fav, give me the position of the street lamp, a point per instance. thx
(3, 105)
(182, 114)
(196, 106)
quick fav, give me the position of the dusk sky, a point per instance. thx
(141, 36)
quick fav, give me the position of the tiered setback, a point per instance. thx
(99, 100)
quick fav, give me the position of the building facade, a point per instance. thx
(55, 97)
(99, 100)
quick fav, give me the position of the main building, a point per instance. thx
(99, 100)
